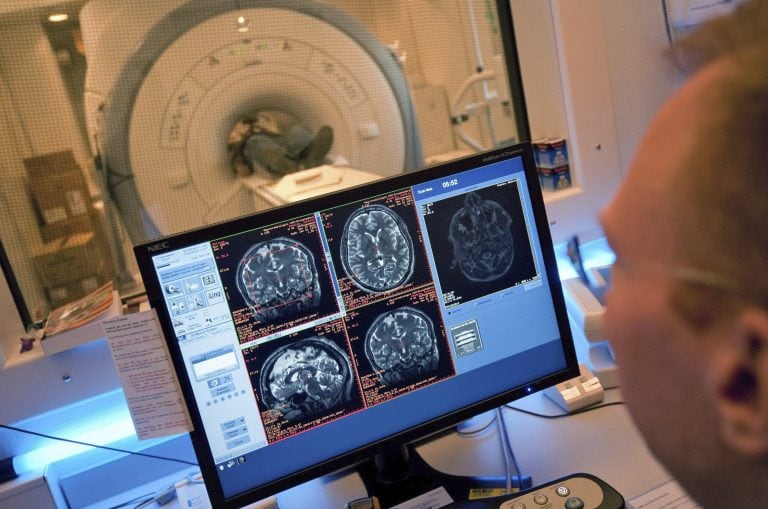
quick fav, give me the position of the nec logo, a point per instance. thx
(158, 246)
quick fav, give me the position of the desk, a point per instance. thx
(603, 442)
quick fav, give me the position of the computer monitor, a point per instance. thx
(310, 337)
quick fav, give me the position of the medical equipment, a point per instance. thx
(167, 82)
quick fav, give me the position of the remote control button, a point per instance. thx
(540, 499)
(563, 491)
(518, 505)
(574, 503)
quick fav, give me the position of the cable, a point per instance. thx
(508, 449)
(505, 449)
(137, 500)
(145, 503)
(160, 497)
(671, 38)
(558, 416)
(477, 431)
(667, 23)
(106, 447)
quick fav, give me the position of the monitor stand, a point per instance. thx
(399, 473)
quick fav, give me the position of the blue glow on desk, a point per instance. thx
(595, 254)
(101, 430)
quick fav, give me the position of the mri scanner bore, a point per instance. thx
(172, 87)
(272, 143)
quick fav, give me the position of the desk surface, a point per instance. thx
(603, 442)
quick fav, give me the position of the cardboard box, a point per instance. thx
(550, 152)
(69, 291)
(68, 260)
(555, 179)
(58, 187)
(68, 227)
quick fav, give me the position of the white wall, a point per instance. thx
(641, 75)
(594, 71)
(437, 38)
(535, 36)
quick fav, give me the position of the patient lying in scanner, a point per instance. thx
(273, 144)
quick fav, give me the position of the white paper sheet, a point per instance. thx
(669, 495)
(149, 382)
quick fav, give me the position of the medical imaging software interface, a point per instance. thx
(290, 328)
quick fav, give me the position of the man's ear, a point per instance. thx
(741, 377)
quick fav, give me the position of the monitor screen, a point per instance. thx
(309, 336)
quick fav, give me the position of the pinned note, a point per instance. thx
(151, 388)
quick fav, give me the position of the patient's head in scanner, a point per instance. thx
(272, 143)
(687, 313)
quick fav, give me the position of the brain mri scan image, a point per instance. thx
(306, 378)
(376, 249)
(481, 235)
(278, 279)
(401, 345)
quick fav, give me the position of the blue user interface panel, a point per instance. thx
(361, 319)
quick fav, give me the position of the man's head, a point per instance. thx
(688, 309)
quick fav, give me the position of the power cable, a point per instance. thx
(87, 444)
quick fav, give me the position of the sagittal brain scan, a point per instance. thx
(306, 378)
(376, 249)
(278, 278)
(401, 345)
(481, 235)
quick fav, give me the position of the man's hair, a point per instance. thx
(724, 187)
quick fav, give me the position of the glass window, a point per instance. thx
(123, 121)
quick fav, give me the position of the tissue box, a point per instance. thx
(554, 179)
(550, 152)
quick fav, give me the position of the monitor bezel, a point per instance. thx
(146, 251)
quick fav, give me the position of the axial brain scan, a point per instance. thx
(376, 249)
(306, 378)
(481, 235)
(401, 345)
(278, 278)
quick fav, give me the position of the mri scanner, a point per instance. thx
(168, 80)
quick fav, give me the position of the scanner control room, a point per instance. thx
(355, 254)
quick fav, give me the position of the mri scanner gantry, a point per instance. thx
(167, 81)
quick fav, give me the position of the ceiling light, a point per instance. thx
(58, 17)
(243, 25)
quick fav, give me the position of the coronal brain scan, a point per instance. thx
(376, 249)
(401, 345)
(306, 378)
(481, 235)
(278, 279)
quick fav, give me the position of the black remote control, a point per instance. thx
(575, 491)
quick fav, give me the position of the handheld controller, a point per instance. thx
(576, 491)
